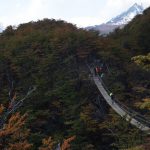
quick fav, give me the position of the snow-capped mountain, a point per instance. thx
(127, 16)
(120, 21)
(1, 28)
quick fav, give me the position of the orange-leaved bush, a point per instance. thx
(14, 134)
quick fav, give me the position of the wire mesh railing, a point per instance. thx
(133, 114)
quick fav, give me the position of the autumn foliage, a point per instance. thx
(66, 143)
(52, 55)
(47, 144)
(14, 134)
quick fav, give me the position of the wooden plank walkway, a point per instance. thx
(135, 120)
(116, 107)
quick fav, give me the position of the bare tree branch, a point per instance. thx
(14, 106)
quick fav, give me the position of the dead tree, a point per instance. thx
(14, 104)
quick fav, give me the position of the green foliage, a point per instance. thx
(143, 61)
(51, 55)
(47, 54)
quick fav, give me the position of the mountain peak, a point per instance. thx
(119, 21)
(127, 16)
(137, 5)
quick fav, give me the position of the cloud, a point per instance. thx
(84, 21)
(112, 9)
(80, 12)
(35, 8)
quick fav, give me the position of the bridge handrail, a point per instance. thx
(129, 111)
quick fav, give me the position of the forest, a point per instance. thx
(48, 99)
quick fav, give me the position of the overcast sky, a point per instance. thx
(80, 12)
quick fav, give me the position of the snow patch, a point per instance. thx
(127, 16)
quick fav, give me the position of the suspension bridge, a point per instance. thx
(130, 115)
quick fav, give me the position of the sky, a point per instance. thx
(82, 13)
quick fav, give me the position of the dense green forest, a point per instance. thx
(51, 56)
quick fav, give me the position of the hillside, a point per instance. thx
(135, 35)
(52, 56)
